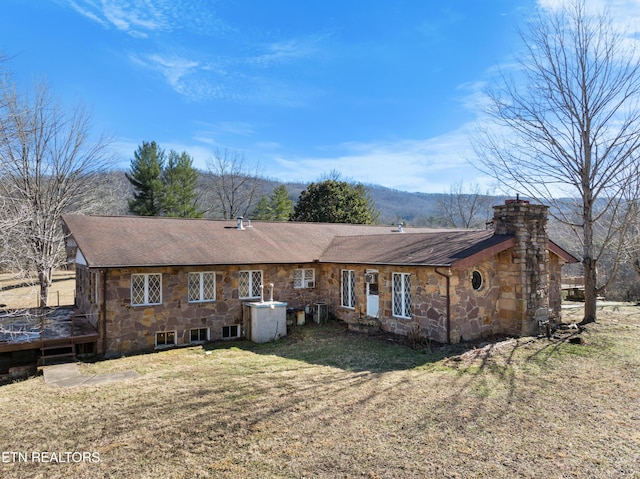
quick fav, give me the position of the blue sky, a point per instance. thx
(382, 91)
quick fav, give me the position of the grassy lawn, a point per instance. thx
(324, 402)
(17, 292)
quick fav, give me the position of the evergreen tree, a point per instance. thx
(262, 211)
(146, 178)
(333, 201)
(281, 204)
(179, 180)
(277, 207)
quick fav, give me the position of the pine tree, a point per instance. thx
(146, 178)
(262, 211)
(179, 180)
(276, 207)
(281, 204)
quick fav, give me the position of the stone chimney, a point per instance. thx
(524, 296)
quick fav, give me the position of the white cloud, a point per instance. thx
(429, 165)
(285, 51)
(139, 18)
(173, 68)
(625, 13)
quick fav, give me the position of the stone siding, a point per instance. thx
(474, 313)
(525, 277)
(428, 299)
(133, 328)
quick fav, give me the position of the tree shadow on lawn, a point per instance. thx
(332, 344)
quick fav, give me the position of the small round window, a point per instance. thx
(476, 280)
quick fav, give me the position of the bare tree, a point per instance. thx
(569, 127)
(49, 162)
(234, 187)
(465, 206)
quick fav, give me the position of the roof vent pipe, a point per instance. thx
(240, 224)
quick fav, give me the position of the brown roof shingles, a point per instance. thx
(110, 241)
(126, 241)
(434, 248)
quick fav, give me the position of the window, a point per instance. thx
(348, 288)
(95, 287)
(146, 289)
(249, 283)
(202, 287)
(198, 335)
(304, 278)
(165, 338)
(402, 295)
(476, 280)
(230, 332)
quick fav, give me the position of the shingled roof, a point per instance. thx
(127, 241)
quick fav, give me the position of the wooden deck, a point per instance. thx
(46, 330)
(573, 288)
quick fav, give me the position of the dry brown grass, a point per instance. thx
(17, 292)
(323, 402)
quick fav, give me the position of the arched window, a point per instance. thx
(476, 280)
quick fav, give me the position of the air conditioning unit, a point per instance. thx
(371, 278)
(320, 312)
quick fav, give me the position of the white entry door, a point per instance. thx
(373, 300)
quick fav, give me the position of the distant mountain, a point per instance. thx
(395, 206)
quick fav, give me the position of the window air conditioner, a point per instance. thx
(371, 278)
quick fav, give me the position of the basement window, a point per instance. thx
(165, 338)
(231, 332)
(199, 335)
(476, 280)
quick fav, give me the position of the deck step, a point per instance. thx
(72, 347)
(70, 354)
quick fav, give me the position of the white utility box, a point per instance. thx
(268, 321)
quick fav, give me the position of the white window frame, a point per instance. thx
(347, 290)
(403, 309)
(200, 339)
(304, 278)
(147, 276)
(201, 289)
(238, 331)
(166, 333)
(254, 289)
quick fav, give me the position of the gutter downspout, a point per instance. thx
(447, 277)
(104, 311)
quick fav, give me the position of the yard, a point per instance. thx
(18, 292)
(324, 402)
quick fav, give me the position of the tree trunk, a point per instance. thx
(588, 263)
(45, 280)
(590, 287)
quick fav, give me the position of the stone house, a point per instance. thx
(148, 283)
